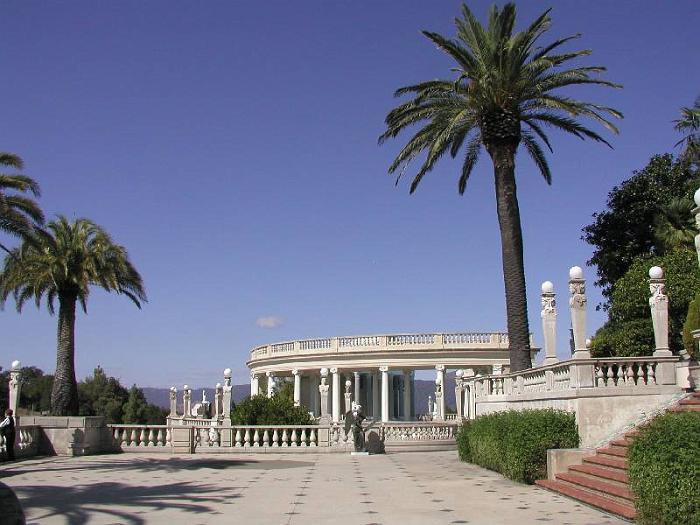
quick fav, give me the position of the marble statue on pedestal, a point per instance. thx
(353, 422)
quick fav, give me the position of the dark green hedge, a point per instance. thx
(664, 470)
(515, 443)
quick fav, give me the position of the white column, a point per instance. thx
(459, 393)
(407, 395)
(385, 392)
(270, 384)
(356, 395)
(336, 394)
(173, 402)
(440, 391)
(297, 387)
(577, 305)
(376, 406)
(549, 323)
(15, 385)
(323, 392)
(227, 394)
(254, 385)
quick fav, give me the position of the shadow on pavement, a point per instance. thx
(10, 509)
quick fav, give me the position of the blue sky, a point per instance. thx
(231, 147)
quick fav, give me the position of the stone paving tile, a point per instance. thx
(406, 489)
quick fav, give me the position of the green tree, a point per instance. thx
(626, 229)
(277, 410)
(63, 263)
(35, 393)
(504, 94)
(629, 330)
(18, 213)
(101, 395)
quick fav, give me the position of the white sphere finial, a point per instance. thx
(227, 373)
(459, 373)
(186, 387)
(348, 383)
(324, 372)
(575, 273)
(218, 385)
(16, 365)
(655, 272)
(589, 344)
(696, 197)
(547, 287)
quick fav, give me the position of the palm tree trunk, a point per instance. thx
(64, 396)
(503, 157)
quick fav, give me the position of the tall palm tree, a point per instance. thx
(62, 263)
(502, 95)
(18, 214)
(689, 123)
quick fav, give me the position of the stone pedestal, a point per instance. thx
(71, 435)
(577, 305)
(549, 323)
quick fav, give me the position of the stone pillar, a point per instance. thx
(173, 402)
(297, 387)
(459, 392)
(407, 395)
(385, 392)
(314, 383)
(549, 323)
(348, 396)
(357, 390)
(376, 403)
(336, 394)
(186, 401)
(227, 394)
(439, 391)
(218, 401)
(323, 391)
(270, 384)
(577, 305)
(658, 302)
(15, 386)
(254, 385)
(467, 378)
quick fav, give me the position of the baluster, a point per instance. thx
(285, 438)
(630, 374)
(134, 441)
(168, 437)
(266, 438)
(151, 440)
(303, 437)
(238, 443)
(599, 377)
(611, 376)
(294, 438)
(159, 438)
(116, 436)
(256, 438)
(246, 438)
(651, 373)
(312, 438)
(275, 438)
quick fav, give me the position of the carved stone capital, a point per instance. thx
(384, 368)
(440, 368)
(657, 287)
(334, 370)
(549, 304)
(295, 372)
(270, 374)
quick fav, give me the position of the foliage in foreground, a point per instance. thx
(664, 470)
(629, 331)
(277, 410)
(692, 323)
(515, 443)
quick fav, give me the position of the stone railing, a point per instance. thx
(26, 441)
(271, 438)
(390, 342)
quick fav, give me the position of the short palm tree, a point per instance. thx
(62, 263)
(674, 226)
(18, 214)
(504, 93)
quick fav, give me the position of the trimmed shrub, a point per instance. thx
(692, 322)
(624, 339)
(664, 470)
(277, 410)
(515, 443)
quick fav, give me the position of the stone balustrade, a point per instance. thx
(391, 342)
(26, 441)
(140, 436)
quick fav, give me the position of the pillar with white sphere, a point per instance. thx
(348, 396)
(658, 303)
(459, 392)
(227, 394)
(186, 401)
(173, 402)
(549, 323)
(323, 392)
(270, 384)
(439, 392)
(577, 305)
(15, 385)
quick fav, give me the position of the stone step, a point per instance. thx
(610, 475)
(619, 452)
(606, 504)
(624, 442)
(600, 487)
(686, 408)
(690, 401)
(607, 461)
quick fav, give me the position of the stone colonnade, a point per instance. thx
(385, 393)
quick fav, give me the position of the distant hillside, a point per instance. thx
(424, 388)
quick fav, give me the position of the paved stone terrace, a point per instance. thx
(402, 488)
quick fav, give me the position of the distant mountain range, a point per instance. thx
(423, 389)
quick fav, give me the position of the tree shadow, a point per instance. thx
(10, 509)
(79, 504)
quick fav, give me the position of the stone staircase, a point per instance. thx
(602, 481)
